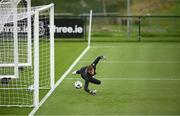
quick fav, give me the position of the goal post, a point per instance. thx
(36, 58)
(29, 50)
(15, 36)
(90, 26)
(26, 52)
(36, 49)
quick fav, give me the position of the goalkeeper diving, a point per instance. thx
(88, 74)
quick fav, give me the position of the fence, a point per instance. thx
(114, 28)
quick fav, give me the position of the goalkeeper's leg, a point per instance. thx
(95, 81)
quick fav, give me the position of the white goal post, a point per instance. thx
(36, 52)
(26, 52)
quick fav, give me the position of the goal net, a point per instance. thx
(26, 52)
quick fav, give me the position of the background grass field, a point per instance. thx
(137, 78)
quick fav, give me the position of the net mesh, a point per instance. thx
(44, 49)
(15, 91)
(7, 48)
(7, 8)
(20, 91)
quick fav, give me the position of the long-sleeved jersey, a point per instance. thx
(87, 77)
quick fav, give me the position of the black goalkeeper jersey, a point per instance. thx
(88, 78)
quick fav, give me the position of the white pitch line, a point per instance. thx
(136, 62)
(58, 82)
(134, 79)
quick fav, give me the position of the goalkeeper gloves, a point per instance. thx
(74, 73)
(103, 57)
(93, 92)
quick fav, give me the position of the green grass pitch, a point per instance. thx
(137, 78)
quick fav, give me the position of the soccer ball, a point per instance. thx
(31, 88)
(78, 84)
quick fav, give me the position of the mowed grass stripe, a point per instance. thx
(125, 88)
(135, 62)
(167, 53)
(132, 79)
(127, 46)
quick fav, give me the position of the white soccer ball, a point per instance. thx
(78, 84)
(31, 88)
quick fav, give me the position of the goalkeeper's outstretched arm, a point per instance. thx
(76, 72)
(95, 62)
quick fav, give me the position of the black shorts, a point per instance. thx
(94, 80)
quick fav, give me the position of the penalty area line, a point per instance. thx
(59, 81)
